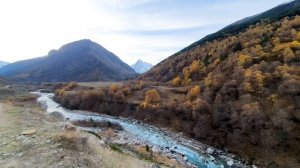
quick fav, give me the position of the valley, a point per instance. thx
(230, 99)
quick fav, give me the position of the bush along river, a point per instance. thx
(184, 150)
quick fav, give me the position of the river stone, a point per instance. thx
(57, 116)
(29, 132)
(209, 150)
(230, 163)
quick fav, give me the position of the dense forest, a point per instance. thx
(241, 92)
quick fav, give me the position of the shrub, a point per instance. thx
(288, 54)
(260, 79)
(152, 96)
(216, 62)
(176, 81)
(145, 105)
(119, 96)
(186, 76)
(193, 93)
(195, 66)
(244, 60)
(200, 107)
(114, 88)
(60, 92)
(126, 91)
(208, 81)
(70, 86)
(295, 45)
(141, 84)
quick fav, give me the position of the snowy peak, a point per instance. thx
(140, 66)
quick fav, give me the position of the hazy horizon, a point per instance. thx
(150, 30)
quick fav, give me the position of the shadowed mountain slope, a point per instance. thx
(81, 60)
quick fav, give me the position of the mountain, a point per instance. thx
(141, 66)
(242, 87)
(291, 8)
(81, 60)
(3, 63)
(287, 9)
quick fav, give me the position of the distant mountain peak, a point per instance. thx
(141, 66)
(82, 60)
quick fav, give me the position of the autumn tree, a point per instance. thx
(288, 54)
(295, 45)
(60, 92)
(260, 80)
(195, 66)
(114, 88)
(176, 81)
(208, 81)
(244, 60)
(186, 76)
(152, 96)
(193, 93)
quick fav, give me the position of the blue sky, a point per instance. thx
(150, 30)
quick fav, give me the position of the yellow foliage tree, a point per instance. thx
(276, 40)
(195, 66)
(114, 88)
(283, 71)
(260, 79)
(295, 45)
(193, 92)
(288, 54)
(152, 97)
(60, 92)
(248, 87)
(248, 73)
(208, 81)
(176, 81)
(186, 76)
(217, 62)
(244, 59)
